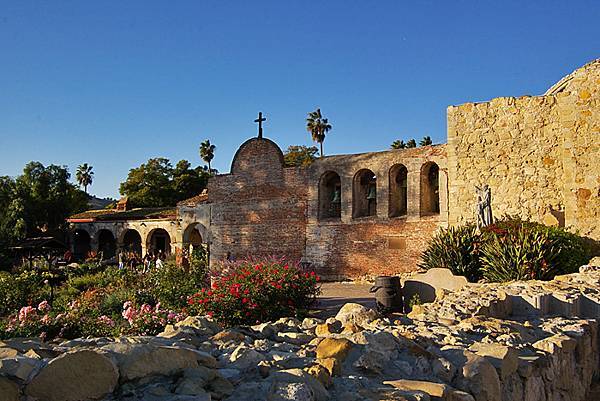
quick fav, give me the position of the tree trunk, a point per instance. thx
(209, 169)
(321, 143)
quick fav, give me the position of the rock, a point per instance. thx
(201, 323)
(433, 389)
(310, 323)
(21, 367)
(295, 338)
(78, 375)
(444, 369)
(357, 314)
(140, 360)
(6, 352)
(300, 376)
(505, 359)
(229, 335)
(457, 395)
(327, 329)
(556, 343)
(267, 330)
(320, 373)
(233, 375)
(220, 387)
(244, 358)
(291, 392)
(191, 386)
(481, 378)
(9, 390)
(251, 391)
(333, 366)
(336, 348)
(350, 328)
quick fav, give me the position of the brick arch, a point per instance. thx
(398, 190)
(430, 189)
(330, 195)
(362, 184)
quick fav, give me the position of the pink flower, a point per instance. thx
(46, 319)
(25, 312)
(171, 315)
(106, 320)
(44, 306)
(126, 304)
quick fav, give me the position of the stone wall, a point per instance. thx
(263, 209)
(538, 154)
(357, 246)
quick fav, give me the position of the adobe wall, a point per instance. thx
(538, 154)
(369, 246)
(259, 208)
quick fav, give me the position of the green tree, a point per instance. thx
(299, 155)
(426, 141)
(84, 176)
(36, 202)
(157, 184)
(318, 127)
(398, 144)
(207, 152)
(411, 143)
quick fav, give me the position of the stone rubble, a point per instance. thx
(484, 342)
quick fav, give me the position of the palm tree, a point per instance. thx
(207, 153)
(318, 127)
(398, 144)
(426, 141)
(84, 176)
(411, 143)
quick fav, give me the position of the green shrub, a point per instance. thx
(249, 292)
(16, 290)
(519, 254)
(172, 285)
(455, 248)
(509, 249)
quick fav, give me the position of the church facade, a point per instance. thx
(373, 213)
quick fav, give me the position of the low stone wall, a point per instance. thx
(468, 345)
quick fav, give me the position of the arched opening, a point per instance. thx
(398, 204)
(132, 242)
(430, 189)
(330, 196)
(106, 244)
(195, 247)
(364, 194)
(81, 244)
(159, 241)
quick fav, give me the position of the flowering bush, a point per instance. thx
(148, 320)
(251, 291)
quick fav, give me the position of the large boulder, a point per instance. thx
(481, 379)
(78, 375)
(357, 314)
(141, 360)
(336, 348)
(300, 376)
(244, 358)
(9, 390)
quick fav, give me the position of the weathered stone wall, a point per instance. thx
(263, 209)
(379, 244)
(260, 208)
(538, 154)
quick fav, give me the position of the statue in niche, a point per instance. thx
(484, 206)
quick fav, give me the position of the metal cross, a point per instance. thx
(260, 120)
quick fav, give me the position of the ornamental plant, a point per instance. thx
(253, 291)
(147, 320)
(509, 249)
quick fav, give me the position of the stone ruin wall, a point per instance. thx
(374, 245)
(538, 154)
(259, 208)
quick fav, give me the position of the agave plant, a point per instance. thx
(457, 249)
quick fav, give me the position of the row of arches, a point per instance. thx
(364, 192)
(131, 241)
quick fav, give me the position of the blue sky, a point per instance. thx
(113, 83)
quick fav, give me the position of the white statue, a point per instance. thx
(484, 206)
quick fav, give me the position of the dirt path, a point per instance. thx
(334, 295)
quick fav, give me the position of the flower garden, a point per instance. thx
(91, 300)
